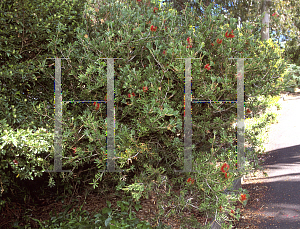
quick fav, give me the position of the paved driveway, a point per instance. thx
(282, 202)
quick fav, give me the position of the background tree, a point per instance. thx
(265, 10)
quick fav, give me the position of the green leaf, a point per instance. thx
(108, 203)
(107, 221)
(106, 211)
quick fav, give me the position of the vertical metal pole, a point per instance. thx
(240, 115)
(240, 121)
(58, 119)
(188, 117)
(110, 143)
(110, 116)
(188, 132)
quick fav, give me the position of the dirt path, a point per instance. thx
(275, 200)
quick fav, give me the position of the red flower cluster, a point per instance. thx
(133, 94)
(74, 150)
(190, 180)
(189, 42)
(219, 41)
(225, 166)
(243, 197)
(207, 67)
(164, 52)
(97, 105)
(224, 169)
(229, 35)
(139, 0)
(129, 96)
(155, 8)
(153, 28)
(212, 44)
(248, 111)
(275, 14)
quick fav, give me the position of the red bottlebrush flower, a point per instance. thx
(273, 14)
(226, 175)
(153, 28)
(219, 41)
(212, 44)
(225, 166)
(190, 180)
(139, 0)
(15, 162)
(129, 96)
(229, 35)
(207, 67)
(155, 8)
(232, 211)
(164, 52)
(243, 197)
(145, 89)
(133, 94)
(74, 150)
(94, 103)
(98, 106)
(248, 111)
(189, 40)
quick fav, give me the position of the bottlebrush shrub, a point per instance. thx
(149, 130)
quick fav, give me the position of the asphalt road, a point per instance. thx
(281, 205)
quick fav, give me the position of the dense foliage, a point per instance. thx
(149, 92)
(26, 81)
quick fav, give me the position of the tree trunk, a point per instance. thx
(266, 19)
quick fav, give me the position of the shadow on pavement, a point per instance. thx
(279, 205)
